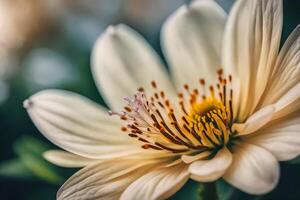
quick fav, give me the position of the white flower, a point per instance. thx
(236, 123)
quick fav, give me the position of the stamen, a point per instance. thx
(153, 83)
(141, 89)
(201, 123)
(186, 87)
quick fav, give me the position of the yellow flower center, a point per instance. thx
(208, 119)
(200, 121)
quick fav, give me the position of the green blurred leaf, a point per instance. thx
(200, 191)
(41, 168)
(225, 191)
(27, 144)
(30, 152)
(14, 169)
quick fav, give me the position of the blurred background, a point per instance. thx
(47, 44)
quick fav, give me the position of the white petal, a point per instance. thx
(287, 69)
(281, 138)
(254, 170)
(189, 159)
(122, 61)
(158, 184)
(191, 38)
(211, 170)
(66, 159)
(251, 44)
(78, 125)
(255, 121)
(106, 180)
(287, 104)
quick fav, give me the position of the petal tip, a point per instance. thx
(185, 8)
(27, 104)
(111, 30)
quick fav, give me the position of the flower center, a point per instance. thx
(209, 120)
(200, 121)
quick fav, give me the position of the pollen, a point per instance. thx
(199, 120)
(208, 119)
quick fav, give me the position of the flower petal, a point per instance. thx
(160, 183)
(66, 159)
(78, 125)
(191, 38)
(211, 170)
(287, 69)
(122, 61)
(254, 170)
(105, 180)
(281, 138)
(250, 46)
(191, 158)
(255, 121)
(287, 104)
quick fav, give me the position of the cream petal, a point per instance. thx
(255, 121)
(281, 138)
(191, 40)
(105, 180)
(191, 158)
(160, 183)
(287, 104)
(211, 170)
(250, 46)
(287, 69)
(122, 61)
(254, 170)
(78, 125)
(66, 159)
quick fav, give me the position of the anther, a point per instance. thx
(127, 109)
(202, 81)
(186, 86)
(220, 72)
(153, 83)
(141, 89)
(123, 118)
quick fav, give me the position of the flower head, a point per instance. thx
(233, 113)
